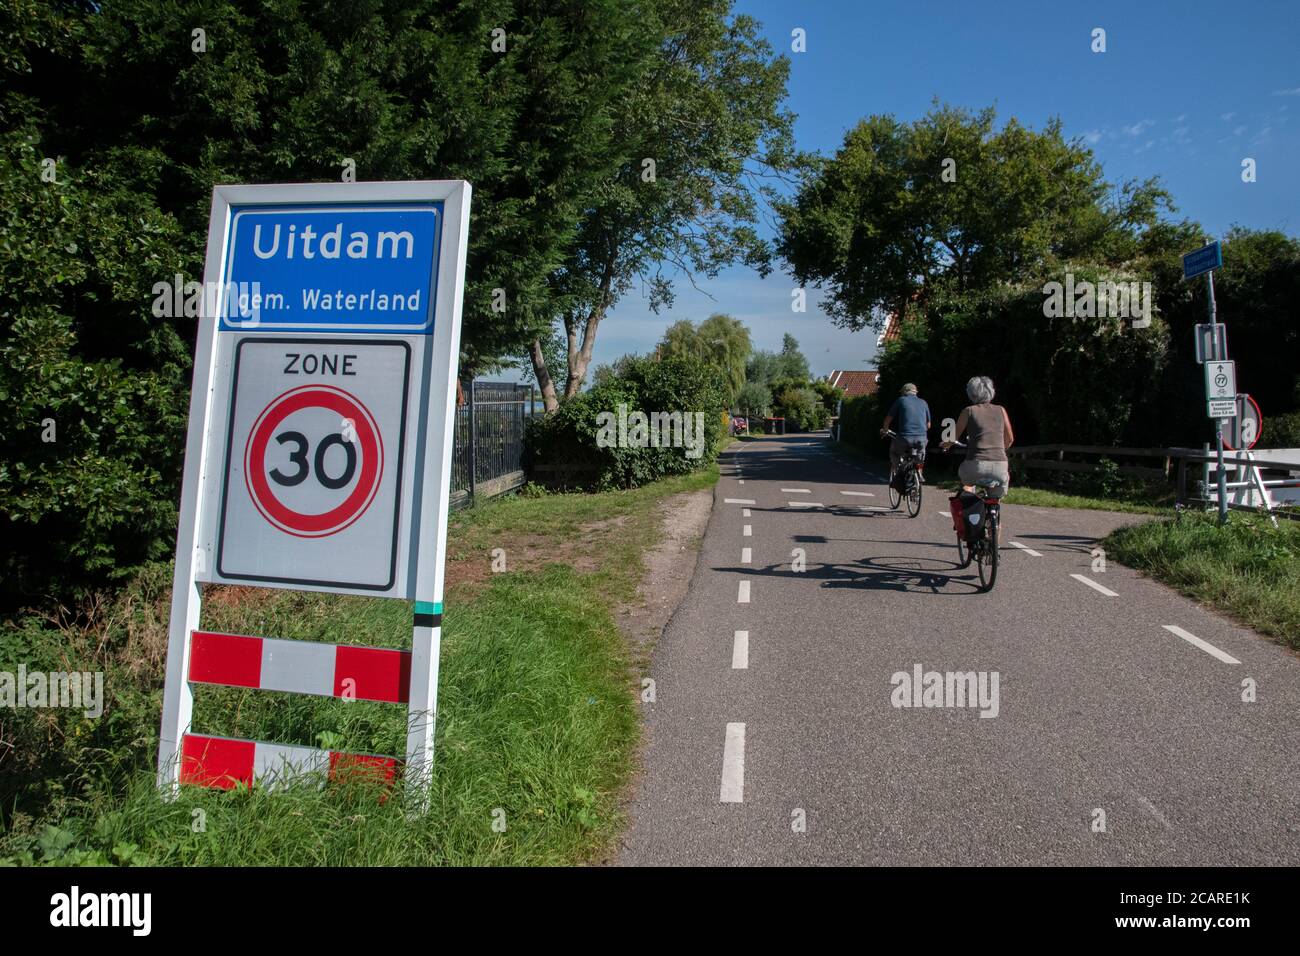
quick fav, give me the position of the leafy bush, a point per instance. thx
(860, 421)
(579, 445)
(1281, 431)
(754, 400)
(1060, 378)
(802, 409)
(94, 388)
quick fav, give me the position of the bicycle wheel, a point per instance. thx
(894, 496)
(914, 495)
(963, 552)
(988, 556)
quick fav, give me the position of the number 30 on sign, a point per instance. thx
(315, 450)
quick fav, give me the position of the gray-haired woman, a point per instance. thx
(988, 436)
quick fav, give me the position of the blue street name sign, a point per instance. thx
(1202, 260)
(333, 268)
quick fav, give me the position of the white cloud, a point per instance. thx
(1239, 131)
(1092, 137)
(1227, 117)
(1292, 92)
(1139, 127)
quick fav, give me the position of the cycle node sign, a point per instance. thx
(313, 462)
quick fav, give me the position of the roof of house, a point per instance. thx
(863, 382)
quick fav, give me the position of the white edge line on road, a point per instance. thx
(733, 765)
(796, 491)
(742, 595)
(875, 508)
(738, 501)
(740, 651)
(746, 555)
(1203, 645)
(1094, 585)
(860, 494)
(1017, 544)
(742, 481)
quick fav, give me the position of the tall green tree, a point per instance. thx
(953, 202)
(721, 341)
(141, 116)
(695, 136)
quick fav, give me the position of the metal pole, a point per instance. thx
(1218, 422)
(473, 445)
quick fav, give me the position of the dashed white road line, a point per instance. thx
(796, 491)
(744, 512)
(1203, 645)
(805, 504)
(875, 508)
(1151, 807)
(738, 501)
(1094, 585)
(946, 514)
(859, 494)
(746, 555)
(742, 596)
(1029, 551)
(740, 651)
(749, 531)
(733, 765)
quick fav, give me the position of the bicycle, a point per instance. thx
(910, 464)
(983, 549)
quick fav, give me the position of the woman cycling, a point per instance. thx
(988, 436)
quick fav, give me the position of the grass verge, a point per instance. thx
(537, 716)
(1247, 568)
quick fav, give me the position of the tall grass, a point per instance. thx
(536, 730)
(1246, 568)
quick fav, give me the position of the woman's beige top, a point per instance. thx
(986, 436)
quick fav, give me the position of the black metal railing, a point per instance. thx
(488, 447)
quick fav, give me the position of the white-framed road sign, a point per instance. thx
(1211, 342)
(318, 454)
(314, 466)
(1221, 389)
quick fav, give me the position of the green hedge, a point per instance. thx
(1281, 431)
(860, 420)
(94, 387)
(571, 448)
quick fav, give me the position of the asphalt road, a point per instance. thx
(783, 745)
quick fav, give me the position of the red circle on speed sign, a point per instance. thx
(1248, 417)
(354, 505)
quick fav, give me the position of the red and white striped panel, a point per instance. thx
(226, 762)
(302, 667)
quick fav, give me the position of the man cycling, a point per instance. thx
(912, 417)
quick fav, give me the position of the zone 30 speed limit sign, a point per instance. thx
(318, 457)
(314, 459)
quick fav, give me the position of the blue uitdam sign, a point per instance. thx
(333, 268)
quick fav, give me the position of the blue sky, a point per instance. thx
(1184, 91)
